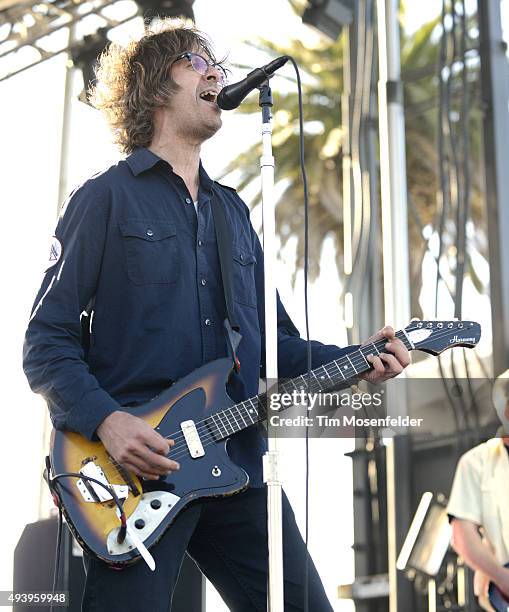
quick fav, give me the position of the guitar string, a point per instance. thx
(209, 438)
(327, 368)
(174, 455)
(180, 449)
(203, 427)
(212, 440)
(353, 358)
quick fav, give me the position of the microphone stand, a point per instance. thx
(270, 459)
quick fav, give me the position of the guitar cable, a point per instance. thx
(53, 482)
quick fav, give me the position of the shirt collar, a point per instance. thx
(142, 159)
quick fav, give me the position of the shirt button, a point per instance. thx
(188, 200)
(200, 242)
(203, 281)
(150, 232)
(241, 257)
(208, 322)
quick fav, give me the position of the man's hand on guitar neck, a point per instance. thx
(136, 446)
(386, 365)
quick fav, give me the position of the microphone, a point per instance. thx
(231, 96)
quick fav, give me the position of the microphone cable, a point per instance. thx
(306, 311)
(230, 98)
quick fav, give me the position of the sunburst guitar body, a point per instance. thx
(150, 506)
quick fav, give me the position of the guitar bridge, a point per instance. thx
(93, 492)
(126, 476)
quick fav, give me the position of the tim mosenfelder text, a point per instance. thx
(355, 401)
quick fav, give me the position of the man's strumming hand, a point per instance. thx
(136, 446)
(386, 365)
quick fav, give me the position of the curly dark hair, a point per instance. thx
(133, 81)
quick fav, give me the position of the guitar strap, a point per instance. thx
(224, 247)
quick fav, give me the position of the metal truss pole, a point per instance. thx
(495, 98)
(395, 266)
(392, 167)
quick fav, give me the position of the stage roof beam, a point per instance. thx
(31, 23)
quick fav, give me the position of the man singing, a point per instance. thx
(136, 245)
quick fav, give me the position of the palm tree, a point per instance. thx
(322, 87)
(321, 98)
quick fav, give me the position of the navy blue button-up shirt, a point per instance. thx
(135, 250)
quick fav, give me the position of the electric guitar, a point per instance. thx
(118, 517)
(498, 600)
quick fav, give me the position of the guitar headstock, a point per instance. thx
(434, 337)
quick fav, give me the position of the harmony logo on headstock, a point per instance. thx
(435, 336)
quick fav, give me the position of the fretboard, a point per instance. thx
(334, 374)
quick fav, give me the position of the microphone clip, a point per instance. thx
(265, 99)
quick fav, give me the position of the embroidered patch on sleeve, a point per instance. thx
(55, 252)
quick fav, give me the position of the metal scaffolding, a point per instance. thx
(31, 33)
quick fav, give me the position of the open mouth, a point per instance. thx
(209, 96)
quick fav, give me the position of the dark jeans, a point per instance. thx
(227, 538)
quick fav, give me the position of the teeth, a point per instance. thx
(208, 93)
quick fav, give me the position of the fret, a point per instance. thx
(307, 387)
(218, 425)
(293, 383)
(340, 370)
(351, 364)
(220, 415)
(304, 385)
(334, 378)
(240, 414)
(236, 422)
(262, 406)
(251, 411)
(212, 428)
(320, 388)
(368, 365)
(327, 373)
(284, 386)
(403, 336)
(376, 349)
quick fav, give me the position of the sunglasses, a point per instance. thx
(201, 66)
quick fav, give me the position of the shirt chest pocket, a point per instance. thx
(151, 251)
(244, 287)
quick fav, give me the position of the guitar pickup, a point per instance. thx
(192, 439)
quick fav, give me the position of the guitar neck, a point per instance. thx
(342, 371)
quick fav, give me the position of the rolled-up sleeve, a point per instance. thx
(53, 354)
(465, 501)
